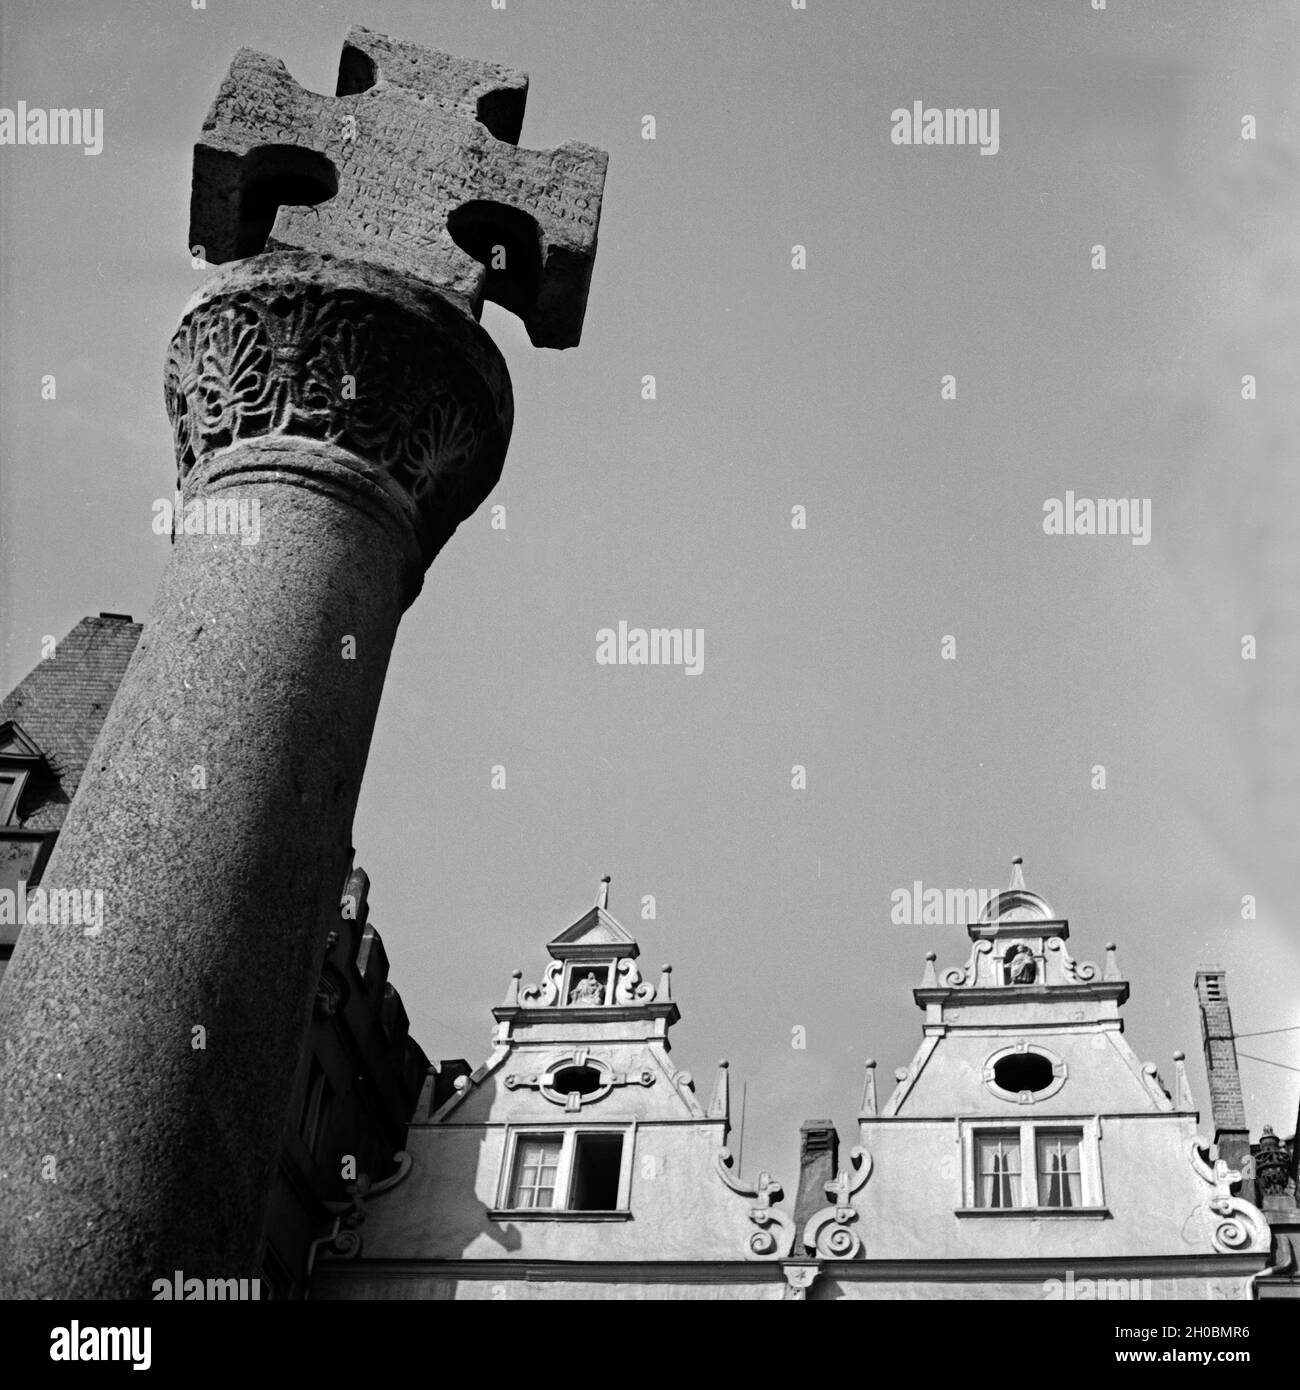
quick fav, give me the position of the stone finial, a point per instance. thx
(512, 990)
(602, 894)
(1017, 873)
(869, 1089)
(664, 993)
(411, 165)
(1112, 964)
(929, 980)
(1183, 1098)
(720, 1105)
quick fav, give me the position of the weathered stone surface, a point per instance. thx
(296, 345)
(413, 166)
(214, 896)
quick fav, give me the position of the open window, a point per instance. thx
(567, 1172)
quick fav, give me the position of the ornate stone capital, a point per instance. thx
(400, 383)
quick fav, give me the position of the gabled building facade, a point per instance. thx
(1026, 1152)
(577, 1162)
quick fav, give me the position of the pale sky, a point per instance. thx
(779, 388)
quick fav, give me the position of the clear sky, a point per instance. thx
(779, 388)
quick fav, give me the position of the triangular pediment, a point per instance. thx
(15, 743)
(594, 931)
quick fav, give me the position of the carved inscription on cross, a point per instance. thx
(412, 165)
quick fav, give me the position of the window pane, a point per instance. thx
(536, 1163)
(1060, 1182)
(997, 1176)
(597, 1164)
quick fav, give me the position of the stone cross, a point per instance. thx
(413, 165)
(334, 378)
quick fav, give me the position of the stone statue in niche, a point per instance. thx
(588, 991)
(1020, 966)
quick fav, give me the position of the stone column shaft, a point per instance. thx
(364, 419)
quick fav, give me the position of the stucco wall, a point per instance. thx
(1155, 1203)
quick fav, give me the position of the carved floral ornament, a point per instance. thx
(1272, 1164)
(281, 351)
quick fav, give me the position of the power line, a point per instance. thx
(1268, 1032)
(1267, 1061)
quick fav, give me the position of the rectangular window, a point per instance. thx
(1027, 1166)
(568, 1170)
(1060, 1175)
(537, 1164)
(998, 1171)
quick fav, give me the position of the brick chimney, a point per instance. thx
(1227, 1106)
(819, 1150)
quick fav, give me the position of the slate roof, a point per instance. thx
(62, 705)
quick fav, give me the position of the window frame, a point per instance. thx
(1091, 1190)
(568, 1136)
(578, 968)
(13, 782)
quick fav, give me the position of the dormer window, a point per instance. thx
(19, 758)
(12, 782)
